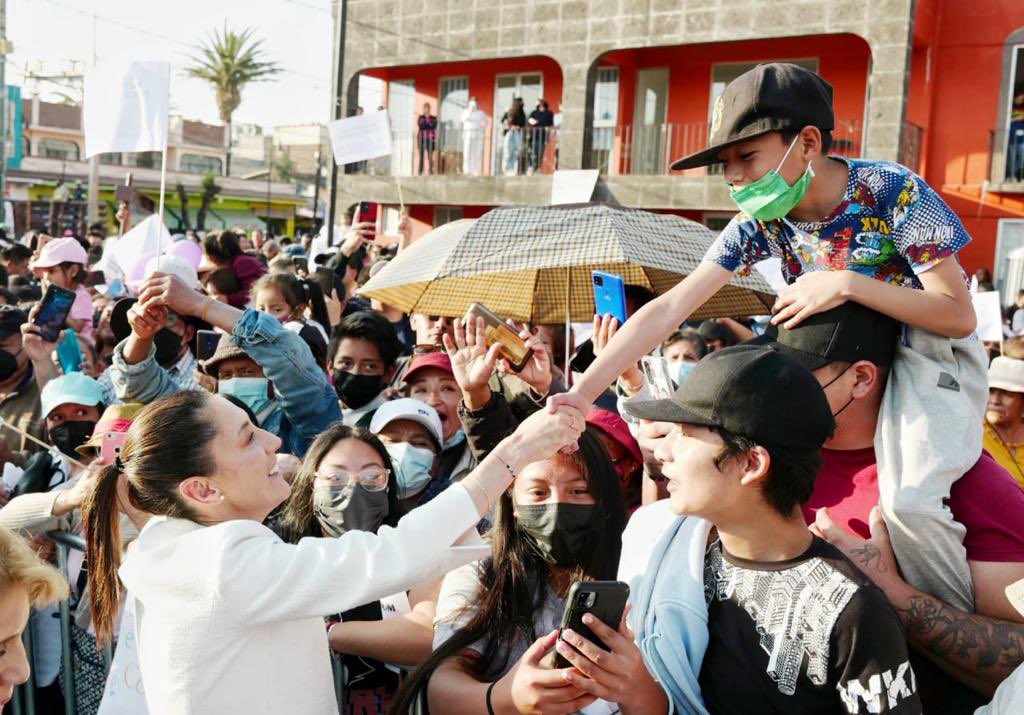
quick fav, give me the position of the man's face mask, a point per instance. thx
(253, 391)
(8, 364)
(349, 507)
(559, 531)
(168, 347)
(412, 467)
(680, 370)
(356, 391)
(770, 197)
(68, 435)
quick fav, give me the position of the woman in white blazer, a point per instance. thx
(228, 616)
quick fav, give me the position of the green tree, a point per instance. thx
(229, 60)
(284, 168)
(210, 191)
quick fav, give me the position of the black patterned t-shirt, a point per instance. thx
(807, 635)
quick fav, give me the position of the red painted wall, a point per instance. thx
(843, 60)
(956, 81)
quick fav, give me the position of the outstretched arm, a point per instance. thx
(646, 329)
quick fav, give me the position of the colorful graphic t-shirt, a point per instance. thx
(890, 225)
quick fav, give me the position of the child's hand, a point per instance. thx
(811, 294)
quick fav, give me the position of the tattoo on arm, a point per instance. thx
(965, 640)
(869, 556)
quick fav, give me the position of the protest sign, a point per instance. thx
(366, 136)
(990, 316)
(126, 107)
(574, 186)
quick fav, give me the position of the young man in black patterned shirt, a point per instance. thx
(793, 625)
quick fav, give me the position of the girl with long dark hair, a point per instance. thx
(560, 522)
(397, 629)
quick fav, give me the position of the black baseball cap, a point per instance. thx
(11, 320)
(773, 97)
(753, 391)
(848, 333)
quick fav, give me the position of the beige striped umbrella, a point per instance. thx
(534, 263)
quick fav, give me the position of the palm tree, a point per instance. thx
(229, 60)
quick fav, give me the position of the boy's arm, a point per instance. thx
(943, 307)
(645, 330)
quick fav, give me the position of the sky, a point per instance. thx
(296, 34)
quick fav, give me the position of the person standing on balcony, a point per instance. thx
(1015, 158)
(474, 127)
(541, 120)
(427, 137)
(512, 124)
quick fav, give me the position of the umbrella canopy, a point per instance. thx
(534, 264)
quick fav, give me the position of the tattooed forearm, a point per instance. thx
(986, 647)
(868, 557)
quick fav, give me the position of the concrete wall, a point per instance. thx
(576, 33)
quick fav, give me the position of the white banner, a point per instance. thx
(366, 136)
(573, 186)
(125, 257)
(126, 107)
(990, 316)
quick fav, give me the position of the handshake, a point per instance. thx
(556, 428)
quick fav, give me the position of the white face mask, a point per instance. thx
(456, 439)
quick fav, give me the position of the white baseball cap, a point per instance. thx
(407, 408)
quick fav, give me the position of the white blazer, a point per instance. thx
(229, 618)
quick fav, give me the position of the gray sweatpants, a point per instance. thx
(929, 433)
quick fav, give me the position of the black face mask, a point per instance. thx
(356, 391)
(349, 508)
(560, 531)
(168, 346)
(8, 364)
(68, 435)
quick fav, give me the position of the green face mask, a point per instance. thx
(770, 197)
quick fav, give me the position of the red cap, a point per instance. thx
(616, 428)
(439, 359)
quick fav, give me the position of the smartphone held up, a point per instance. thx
(513, 348)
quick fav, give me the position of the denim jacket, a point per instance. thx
(306, 402)
(663, 563)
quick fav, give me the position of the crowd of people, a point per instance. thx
(273, 474)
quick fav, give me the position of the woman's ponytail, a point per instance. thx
(101, 520)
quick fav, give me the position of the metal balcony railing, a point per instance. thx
(632, 150)
(451, 150)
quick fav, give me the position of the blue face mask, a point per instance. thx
(680, 370)
(253, 391)
(412, 467)
(456, 439)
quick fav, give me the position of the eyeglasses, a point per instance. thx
(372, 479)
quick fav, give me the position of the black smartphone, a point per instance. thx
(325, 277)
(206, 343)
(53, 312)
(606, 600)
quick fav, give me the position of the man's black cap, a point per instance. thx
(11, 320)
(748, 390)
(769, 98)
(121, 328)
(848, 333)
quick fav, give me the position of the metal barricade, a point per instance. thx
(23, 702)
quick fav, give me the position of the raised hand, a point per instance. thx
(37, 349)
(605, 327)
(147, 323)
(537, 371)
(161, 289)
(544, 433)
(472, 361)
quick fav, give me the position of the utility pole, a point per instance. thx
(5, 48)
(316, 189)
(338, 103)
(93, 195)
